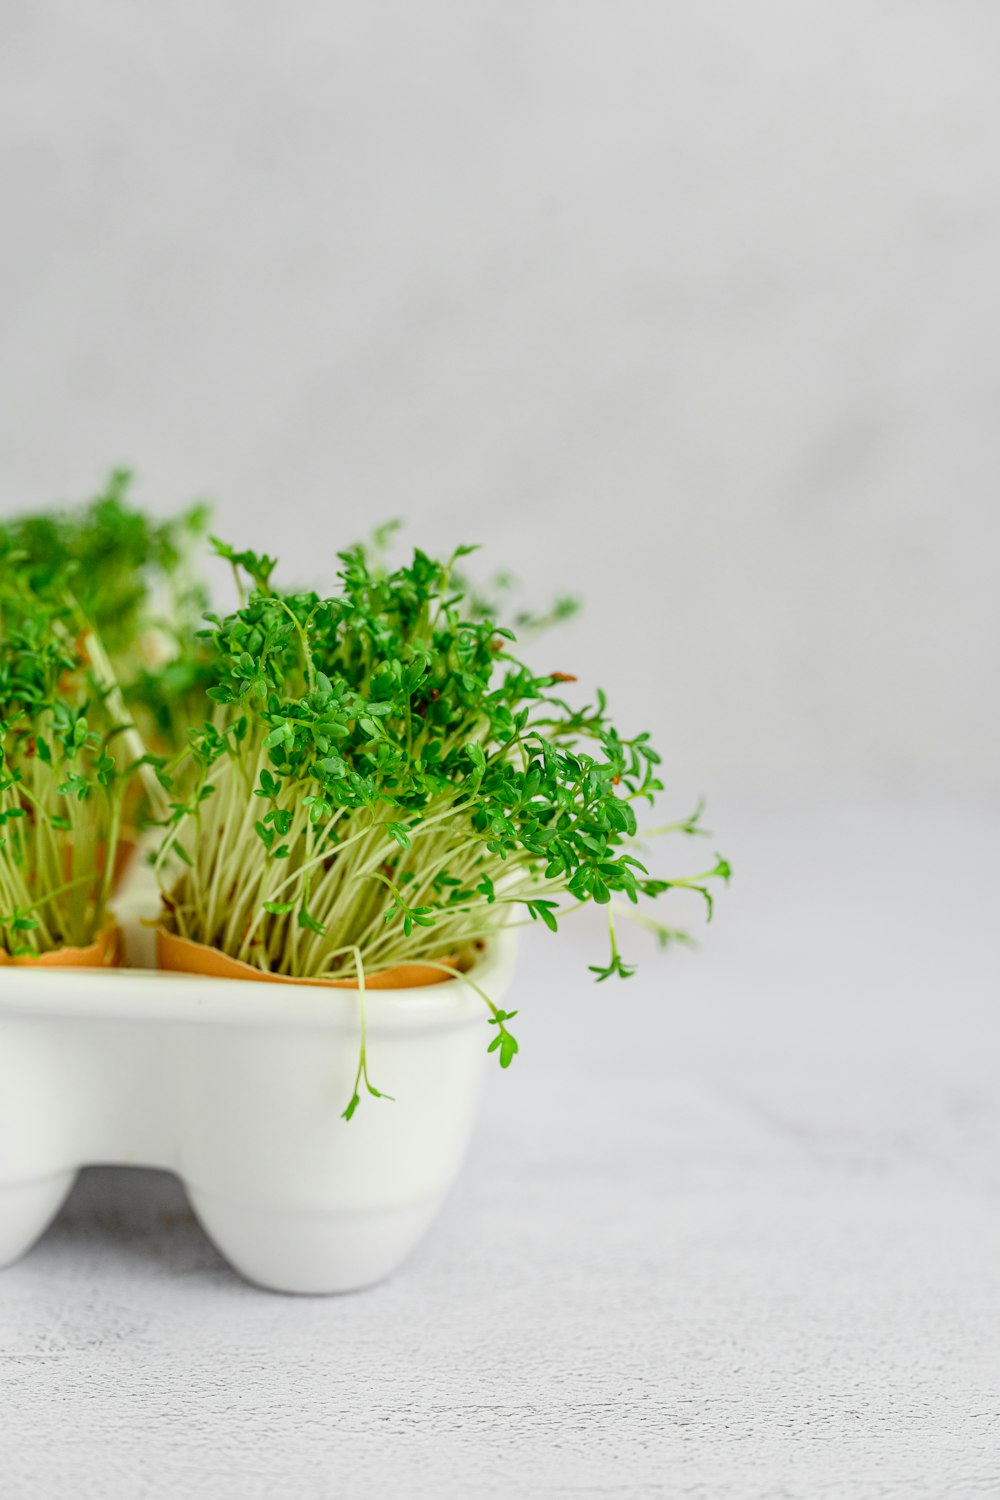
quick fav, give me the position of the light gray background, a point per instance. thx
(690, 309)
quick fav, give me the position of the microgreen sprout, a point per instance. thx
(384, 781)
(133, 583)
(67, 755)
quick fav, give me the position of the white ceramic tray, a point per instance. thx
(238, 1087)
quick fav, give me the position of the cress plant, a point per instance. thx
(383, 781)
(67, 755)
(132, 580)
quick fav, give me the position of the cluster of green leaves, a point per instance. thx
(493, 598)
(385, 781)
(132, 581)
(64, 767)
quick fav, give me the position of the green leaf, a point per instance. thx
(546, 910)
(305, 920)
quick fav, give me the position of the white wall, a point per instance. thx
(689, 308)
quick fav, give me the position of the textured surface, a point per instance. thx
(730, 1231)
